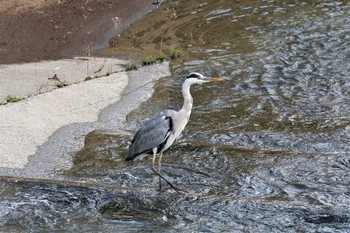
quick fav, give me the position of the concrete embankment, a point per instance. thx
(32, 126)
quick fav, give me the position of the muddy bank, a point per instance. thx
(38, 30)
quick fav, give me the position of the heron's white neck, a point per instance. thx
(188, 101)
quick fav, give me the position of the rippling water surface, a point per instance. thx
(265, 151)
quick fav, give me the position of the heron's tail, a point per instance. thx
(136, 156)
(130, 156)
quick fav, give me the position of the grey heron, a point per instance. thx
(159, 132)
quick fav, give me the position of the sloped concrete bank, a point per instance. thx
(40, 134)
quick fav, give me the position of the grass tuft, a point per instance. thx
(130, 66)
(161, 57)
(13, 98)
(62, 84)
(175, 53)
(149, 60)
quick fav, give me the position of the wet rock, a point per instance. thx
(102, 150)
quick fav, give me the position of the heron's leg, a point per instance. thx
(159, 168)
(158, 173)
(154, 157)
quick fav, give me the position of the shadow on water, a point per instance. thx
(265, 151)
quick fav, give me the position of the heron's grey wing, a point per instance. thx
(151, 135)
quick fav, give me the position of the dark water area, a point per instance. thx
(265, 151)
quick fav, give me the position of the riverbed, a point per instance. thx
(265, 151)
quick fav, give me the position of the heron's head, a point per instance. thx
(197, 78)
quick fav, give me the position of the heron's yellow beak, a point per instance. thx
(211, 79)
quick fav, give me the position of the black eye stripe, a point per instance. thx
(192, 75)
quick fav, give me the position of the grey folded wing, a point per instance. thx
(151, 135)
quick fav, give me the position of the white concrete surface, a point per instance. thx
(34, 78)
(27, 124)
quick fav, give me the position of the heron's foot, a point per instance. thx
(160, 184)
(177, 190)
(162, 177)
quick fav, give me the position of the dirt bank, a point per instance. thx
(37, 30)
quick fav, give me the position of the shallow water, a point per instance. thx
(265, 151)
